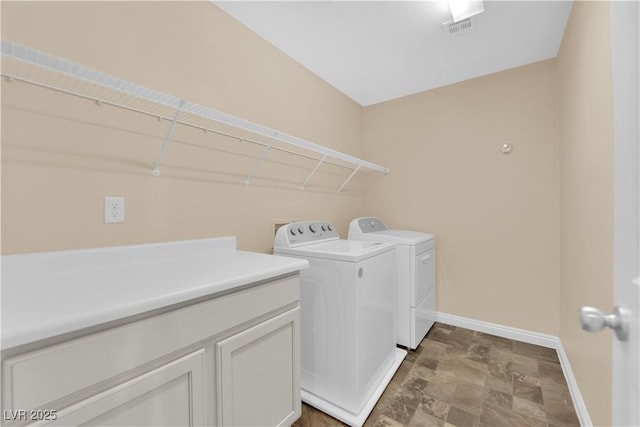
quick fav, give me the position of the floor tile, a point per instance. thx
(427, 362)
(519, 378)
(497, 398)
(500, 370)
(439, 376)
(443, 392)
(536, 351)
(433, 348)
(479, 353)
(527, 391)
(411, 391)
(501, 385)
(402, 373)
(525, 365)
(551, 373)
(493, 341)
(384, 421)
(559, 406)
(423, 418)
(441, 335)
(468, 397)
(461, 418)
(464, 370)
(458, 377)
(566, 419)
(434, 407)
(399, 412)
(527, 407)
(493, 416)
(500, 353)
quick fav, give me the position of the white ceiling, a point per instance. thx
(374, 51)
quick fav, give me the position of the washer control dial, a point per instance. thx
(305, 232)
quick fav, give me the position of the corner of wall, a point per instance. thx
(586, 194)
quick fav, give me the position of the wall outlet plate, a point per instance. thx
(113, 210)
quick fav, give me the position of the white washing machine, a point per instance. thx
(347, 307)
(415, 258)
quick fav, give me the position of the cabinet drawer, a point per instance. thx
(37, 378)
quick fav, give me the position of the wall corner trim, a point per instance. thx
(529, 337)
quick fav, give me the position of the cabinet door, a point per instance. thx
(171, 395)
(259, 374)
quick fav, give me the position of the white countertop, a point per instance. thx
(52, 293)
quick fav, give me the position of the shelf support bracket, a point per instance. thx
(313, 171)
(349, 178)
(259, 160)
(167, 138)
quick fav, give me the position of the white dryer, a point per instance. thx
(347, 308)
(415, 259)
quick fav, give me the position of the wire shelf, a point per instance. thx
(42, 69)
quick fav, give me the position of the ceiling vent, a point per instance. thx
(459, 28)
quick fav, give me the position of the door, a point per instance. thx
(625, 46)
(625, 55)
(258, 373)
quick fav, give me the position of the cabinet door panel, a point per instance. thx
(259, 374)
(171, 395)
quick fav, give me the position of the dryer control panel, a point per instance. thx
(369, 224)
(300, 233)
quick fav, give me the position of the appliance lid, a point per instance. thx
(404, 237)
(340, 250)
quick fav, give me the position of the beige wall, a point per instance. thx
(586, 190)
(61, 155)
(495, 216)
(504, 223)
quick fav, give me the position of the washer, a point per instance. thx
(415, 259)
(347, 307)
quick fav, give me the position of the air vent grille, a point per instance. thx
(461, 27)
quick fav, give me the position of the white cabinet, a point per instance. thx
(258, 379)
(228, 360)
(171, 395)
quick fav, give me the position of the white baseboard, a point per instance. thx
(578, 403)
(544, 340)
(522, 335)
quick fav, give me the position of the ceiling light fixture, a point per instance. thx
(463, 9)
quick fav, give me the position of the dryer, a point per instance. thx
(415, 260)
(347, 310)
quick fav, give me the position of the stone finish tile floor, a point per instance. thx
(459, 377)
